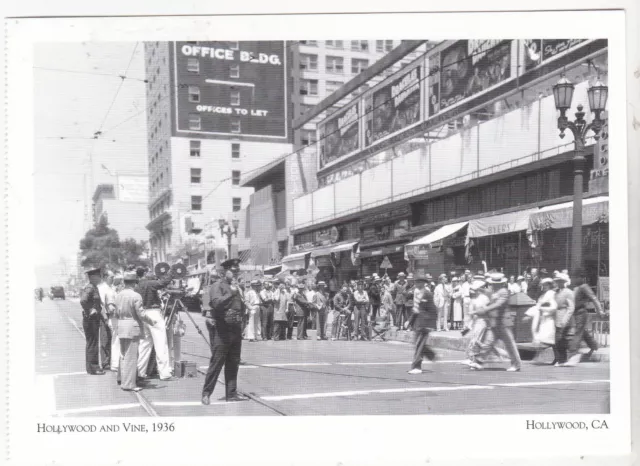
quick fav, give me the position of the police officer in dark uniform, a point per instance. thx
(225, 329)
(91, 306)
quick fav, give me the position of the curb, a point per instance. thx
(453, 341)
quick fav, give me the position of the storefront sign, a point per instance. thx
(419, 251)
(388, 215)
(328, 236)
(537, 51)
(302, 247)
(500, 224)
(323, 261)
(532, 53)
(393, 107)
(592, 212)
(340, 135)
(470, 67)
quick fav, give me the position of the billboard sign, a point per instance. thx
(537, 51)
(231, 88)
(339, 136)
(469, 67)
(394, 106)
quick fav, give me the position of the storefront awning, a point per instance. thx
(500, 224)
(294, 261)
(419, 247)
(594, 210)
(345, 246)
(439, 234)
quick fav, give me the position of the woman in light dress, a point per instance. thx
(543, 314)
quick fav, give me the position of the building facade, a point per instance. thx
(123, 203)
(215, 111)
(455, 162)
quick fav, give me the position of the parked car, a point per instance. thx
(57, 292)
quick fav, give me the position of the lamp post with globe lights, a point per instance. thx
(597, 96)
(229, 230)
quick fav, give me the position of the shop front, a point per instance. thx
(550, 236)
(440, 251)
(383, 236)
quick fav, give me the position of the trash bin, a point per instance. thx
(518, 305)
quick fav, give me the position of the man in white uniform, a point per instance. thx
(108, 298)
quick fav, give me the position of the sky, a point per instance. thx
(83, 95)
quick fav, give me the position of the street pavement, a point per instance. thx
(308, 378)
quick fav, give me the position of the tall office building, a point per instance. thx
(218, 111)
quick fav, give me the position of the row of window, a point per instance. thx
(194, 96)
(193, 66)
(196, 203)
(196, 176)
(195, 123)
(196, 146)
(333, 64)
(356, 45)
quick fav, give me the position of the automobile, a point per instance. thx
(57, 292)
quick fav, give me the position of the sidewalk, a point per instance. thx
(453, 340)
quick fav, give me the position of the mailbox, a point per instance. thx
(518, 305)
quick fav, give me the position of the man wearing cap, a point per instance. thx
(267, 302)
(128, 314)
(320, 301)
(155, 329)
(91, 307)
(564, 319)
(227, 303)
(206, 292)
(421, 320)
(399, 298)
(500, 326)
(360, 307)
(109, 345)
(252, 301)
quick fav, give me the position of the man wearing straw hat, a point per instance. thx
(501, 328)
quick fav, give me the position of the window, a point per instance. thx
(196, 202)
(312, 43)
(379, 46)
(235, 125)
(332, 86)
(235, 97)
(308, 62)
(194, 121)
(308, 137)
(236, 204)
(193, 65)
(194, 148)
(235, 150)
(336, 44)
(196, 174)
(358, 66)
(194, 94)
(193, 42)
(235, 177)
(388, 45)
(305, 108)
(234, 45)
(234, 71)
(360, 45)
(309, 87)
(334, 64)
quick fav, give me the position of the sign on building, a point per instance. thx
(232, 88)
(339, 136)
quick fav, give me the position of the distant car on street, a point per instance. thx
(57, 292)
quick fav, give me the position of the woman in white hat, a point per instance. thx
(457, 297)
(543, 314)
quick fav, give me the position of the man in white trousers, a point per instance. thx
(252, 301)
(155, 330)
(108, 298)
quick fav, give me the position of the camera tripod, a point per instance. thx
(176, 306)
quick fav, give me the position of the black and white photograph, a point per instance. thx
(293, 226)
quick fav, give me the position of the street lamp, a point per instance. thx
(228, 231)
(562, 95)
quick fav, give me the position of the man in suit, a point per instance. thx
(321, 303)
(422, 321)
(228, 308)
(128, 313)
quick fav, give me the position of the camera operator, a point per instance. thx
(155, 331)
